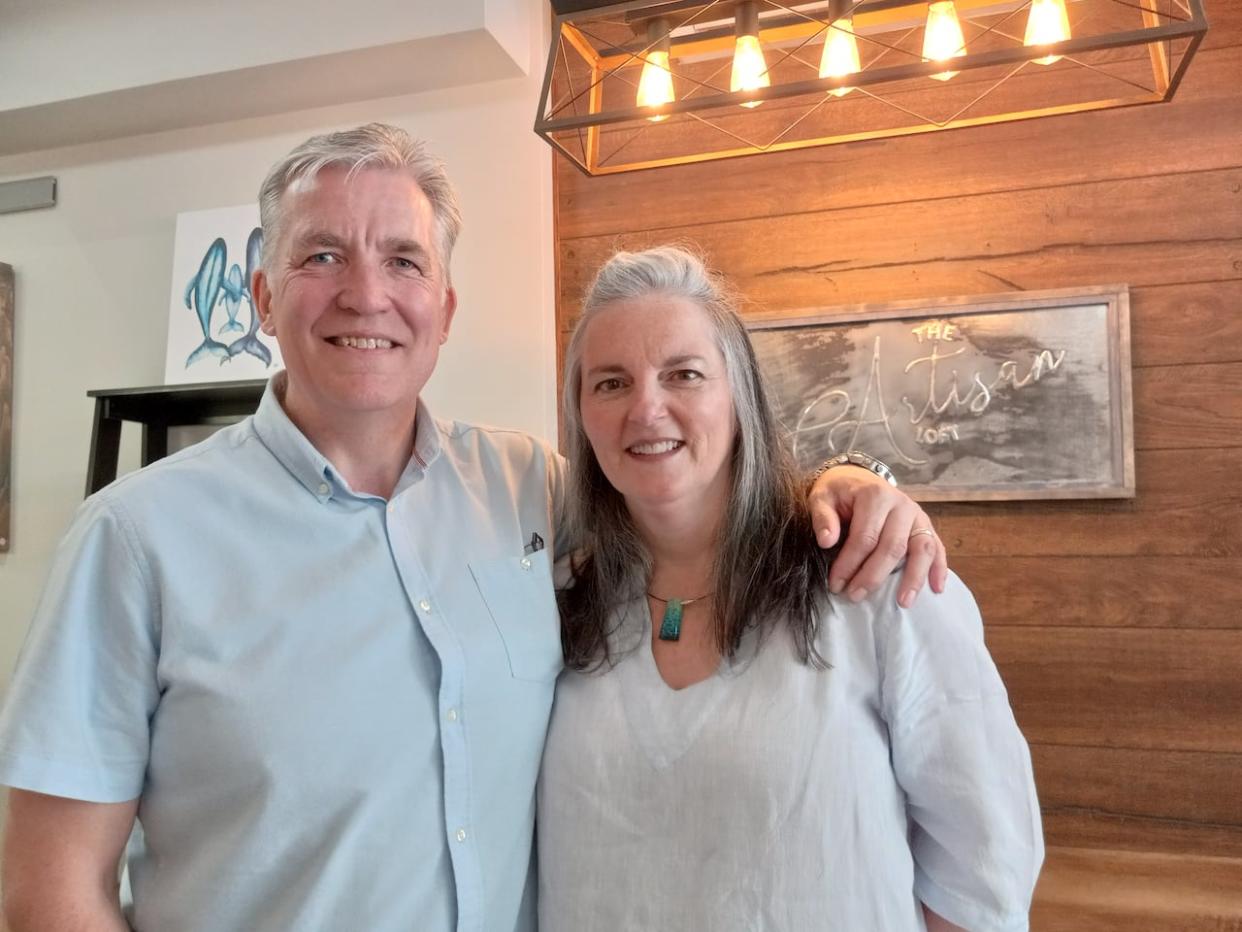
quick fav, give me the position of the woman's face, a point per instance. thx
(656, 404)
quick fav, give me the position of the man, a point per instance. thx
(314, 655)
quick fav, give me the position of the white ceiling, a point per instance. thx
(76, 71)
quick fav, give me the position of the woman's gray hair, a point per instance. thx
(765, 499)
(676, 271)
(373, 145)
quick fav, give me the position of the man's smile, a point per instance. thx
(362, 343)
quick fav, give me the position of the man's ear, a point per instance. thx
(262, 295)
(450, 308)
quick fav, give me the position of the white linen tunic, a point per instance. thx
(778, 796)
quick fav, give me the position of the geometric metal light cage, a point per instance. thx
(1118, 53)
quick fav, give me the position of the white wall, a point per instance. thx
(140, 42)
(93, 282)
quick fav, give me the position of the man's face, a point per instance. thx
(357, 298)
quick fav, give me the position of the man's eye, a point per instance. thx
(406, 264)
(321, 258)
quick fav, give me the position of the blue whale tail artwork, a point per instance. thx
(250, 343)
(201, 294)
(232, 296)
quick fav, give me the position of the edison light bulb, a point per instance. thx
(655, 87)
(1048, 22)
(750, 71)
(840, 54)
(943, 39)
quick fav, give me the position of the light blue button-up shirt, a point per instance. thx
(331, 705)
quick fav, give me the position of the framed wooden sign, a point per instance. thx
(1016, 396)
(6, 405)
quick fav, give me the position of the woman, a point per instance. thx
(733, 747)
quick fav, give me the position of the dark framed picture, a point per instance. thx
(1018, 396)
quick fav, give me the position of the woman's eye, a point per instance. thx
(687, 375)
(608, 385)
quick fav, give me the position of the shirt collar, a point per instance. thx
(426, 437)
(310, 467)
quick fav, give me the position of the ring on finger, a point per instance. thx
(921, 530)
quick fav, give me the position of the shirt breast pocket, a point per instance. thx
(519, 597)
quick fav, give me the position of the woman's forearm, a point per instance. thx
(937, 923)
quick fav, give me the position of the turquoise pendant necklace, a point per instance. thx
(670, 626)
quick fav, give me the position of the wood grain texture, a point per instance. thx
(1176, 801)
(975, 244)
(1122, 891)
(1106, 592)
(1197, 322)
(1224, 24)
(1155, 689)
(1080, 827)
(1188, 407)
(1183, 508)
(1186, 322)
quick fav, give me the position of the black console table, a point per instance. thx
(157, 408)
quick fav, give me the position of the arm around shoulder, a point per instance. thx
(885, 527)
(60, 863)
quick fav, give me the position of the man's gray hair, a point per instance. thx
(375, 145)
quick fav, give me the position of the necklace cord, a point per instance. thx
(697, 598)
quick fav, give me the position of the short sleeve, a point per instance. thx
(975, 829)
(76, 720)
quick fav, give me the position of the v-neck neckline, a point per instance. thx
(665, 722)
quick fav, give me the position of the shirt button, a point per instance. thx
(461, 834)
(391, 507)
(451, 715)
(525, 563)
(425, 606)
(324, 488)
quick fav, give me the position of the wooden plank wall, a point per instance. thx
(1117, 625)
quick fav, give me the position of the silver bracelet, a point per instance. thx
(856, 458)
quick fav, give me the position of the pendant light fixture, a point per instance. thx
(840, 57)
(655, 86)
(636, 84)
(1047, 22)
(750, 70)
(942, 36)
